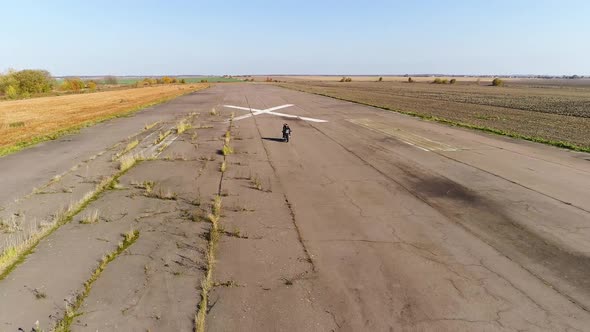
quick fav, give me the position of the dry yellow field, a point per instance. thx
(25, 122)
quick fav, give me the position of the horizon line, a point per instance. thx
(333, 75)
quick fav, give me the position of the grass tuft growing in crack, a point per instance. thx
(150, 125)
(72, 310)
(229, 283)
(256, 183)
(9, 256)
(10, 226)
(91, 218)
(213, 238)
(149, 187)
(227, 137)
(161, 194)
(162, 147)
(129, 161)
(216, 206)
(182, 126)
(207, 283)
(162, 136)
(227, 150)
(130, 146)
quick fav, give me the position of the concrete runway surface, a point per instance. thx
(369, 221)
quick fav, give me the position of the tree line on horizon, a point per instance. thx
(27, 83)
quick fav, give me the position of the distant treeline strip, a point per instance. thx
(32, 82)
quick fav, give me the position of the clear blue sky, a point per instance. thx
(296, 37)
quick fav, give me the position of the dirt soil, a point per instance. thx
(550, 112)
(371, 220)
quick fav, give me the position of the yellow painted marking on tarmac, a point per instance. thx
(405, 136)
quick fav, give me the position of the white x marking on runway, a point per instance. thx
(254, 111)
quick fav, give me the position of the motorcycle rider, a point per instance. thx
(286, 132)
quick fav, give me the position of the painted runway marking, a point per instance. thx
(417, 141)
(254, 111)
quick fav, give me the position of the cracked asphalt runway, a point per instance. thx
(412, 225)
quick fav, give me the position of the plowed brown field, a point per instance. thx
(550, 114)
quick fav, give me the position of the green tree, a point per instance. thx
(72, 84)
(25, 82)
(11, 92)
(91, 85)
(33, 81)
(7, 80)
